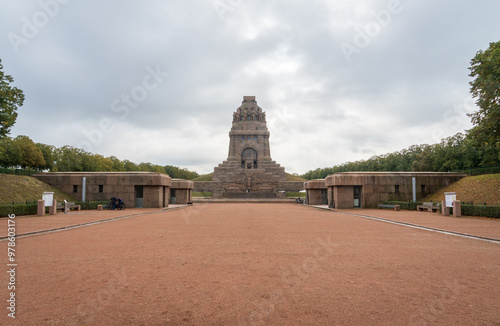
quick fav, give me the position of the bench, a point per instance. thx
(59, 207)
(70, 205)
(428, 207)
(395, 207)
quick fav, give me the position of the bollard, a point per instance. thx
(53, 208)
(457, 208)
(41, 208)
(446, 210)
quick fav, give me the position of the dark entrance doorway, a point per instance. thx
(139, 196)
(173, 197)
(249, 159)
(324, 197)
(357, 196)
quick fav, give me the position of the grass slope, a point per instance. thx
(479, 189)
(205, 177)
(19, 189)
(291, 177)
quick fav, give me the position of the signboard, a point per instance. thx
(450, 197)
(49, 198)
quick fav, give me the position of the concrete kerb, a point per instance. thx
(75, 226)
(415, 226)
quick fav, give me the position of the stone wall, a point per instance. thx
(316, 192)
(101, 186)
(378, 187)
(219, 188)
(183, 191)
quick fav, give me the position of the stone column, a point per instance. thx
(53, 208)
(457, 208)
(446, 210)
(41, 208)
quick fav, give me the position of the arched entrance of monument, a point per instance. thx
(249, 159)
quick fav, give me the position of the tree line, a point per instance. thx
(25, 153)
(478, 147)
(456, 153)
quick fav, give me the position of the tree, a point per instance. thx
(48, 152)
(5, 144)
(11, 98)
(31, 155)
(130, 166)
(69, 159)
(21, 151)
(117, 164)
(485, 69)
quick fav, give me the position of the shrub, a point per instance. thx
(296, 194)
(18, 210)
(467, 210)
(32, 209)
(91, 205)
(477, 210)
(202, 194)
(406, 205)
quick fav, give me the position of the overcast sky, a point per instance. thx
(157, 81)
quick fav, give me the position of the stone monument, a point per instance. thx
(249, 171)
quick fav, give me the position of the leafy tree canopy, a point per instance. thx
(11, 98)
(485, 88)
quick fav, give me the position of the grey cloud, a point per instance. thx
(287, 53)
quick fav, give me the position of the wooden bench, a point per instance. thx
(395, 207)
(428, 207)
(72, 205)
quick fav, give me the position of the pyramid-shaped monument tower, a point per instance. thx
(249, 168)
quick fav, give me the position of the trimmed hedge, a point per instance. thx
(406, 205)
(91, 205)
(467, 210)
(295, 194)
(202, 194)
(476, 210)
(18, 210)
(32, 209)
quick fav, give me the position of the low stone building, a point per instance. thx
(316, 192)
(181, 192)
(249, 171)
(137, 189)
(367, 189)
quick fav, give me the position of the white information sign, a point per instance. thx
(450, 197)
(48, 197)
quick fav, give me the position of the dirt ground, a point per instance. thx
(254, 264)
